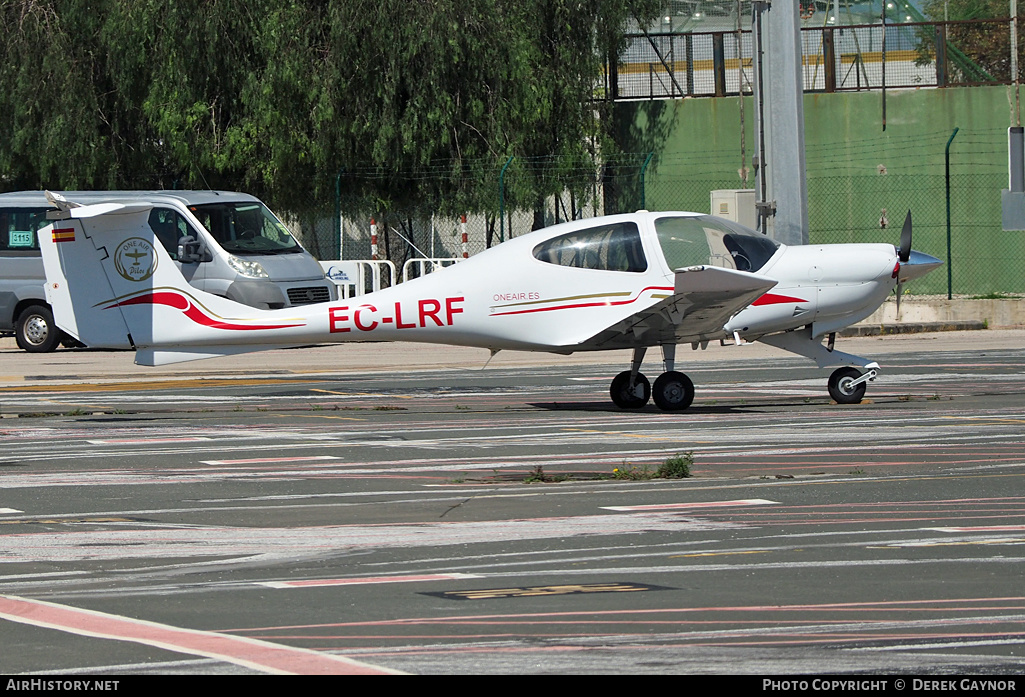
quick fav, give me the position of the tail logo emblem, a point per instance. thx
(135, 259)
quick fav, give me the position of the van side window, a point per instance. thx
(615, 247)
(169, 226)
(18, 228)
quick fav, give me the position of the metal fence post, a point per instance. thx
(950, 276)
(338, 210)
(501, 200)
(719, 63)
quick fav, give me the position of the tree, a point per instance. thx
(980, 51)
(430, 97)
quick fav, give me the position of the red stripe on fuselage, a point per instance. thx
(600, 303)
(773, 299)
(192, 311)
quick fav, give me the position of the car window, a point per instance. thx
(170, 226)
(18, 228)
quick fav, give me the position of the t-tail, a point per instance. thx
(111, 284)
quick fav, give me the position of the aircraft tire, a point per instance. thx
(840, 388)
(673, 391)
(35, 330)
(621, 395)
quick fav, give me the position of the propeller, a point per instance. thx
(903, 255)
(904, 251)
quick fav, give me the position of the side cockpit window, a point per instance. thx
(615, 247)
(704, 240)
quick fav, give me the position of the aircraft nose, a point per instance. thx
(918, 265)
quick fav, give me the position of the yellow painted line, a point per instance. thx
(44, 386)
(718, 554)
(62, 521)
(360, 394)
(317, 416)
(985, 419)
(633, 435)
(732, 64)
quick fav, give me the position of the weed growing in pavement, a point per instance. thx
(628, 471)
(676, 467)
(538, 475)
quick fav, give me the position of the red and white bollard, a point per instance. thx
(373, 239)
(462, 225)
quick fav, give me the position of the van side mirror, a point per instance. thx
(191, 251)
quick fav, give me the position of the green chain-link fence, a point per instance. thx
(984, 259)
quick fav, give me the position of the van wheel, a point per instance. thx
(35, 331)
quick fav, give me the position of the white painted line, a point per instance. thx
(366, 580)
(254, 461)
(147, 441)
(251, 653)
(686, 506)
(10, 510)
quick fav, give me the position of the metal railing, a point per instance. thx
(835, 58)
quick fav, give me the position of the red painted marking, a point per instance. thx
(574, 306)
(192, 311)
(702, 504)
(334, 316)
(316, 582)
(399, 324)
(773, 299)
(252, 653)
(66, 234)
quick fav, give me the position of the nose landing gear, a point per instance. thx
(847, 385)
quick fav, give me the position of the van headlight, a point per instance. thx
(249, 269)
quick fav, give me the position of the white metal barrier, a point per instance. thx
(356, 277)
(426, 266)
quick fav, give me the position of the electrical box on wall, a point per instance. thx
(737, 205)
(1012, 199)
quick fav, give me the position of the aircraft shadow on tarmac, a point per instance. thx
(607, 407)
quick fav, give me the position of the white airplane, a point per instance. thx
(623, 281)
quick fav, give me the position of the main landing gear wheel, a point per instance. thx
(627, 398)
(842, 388)
(673, 391)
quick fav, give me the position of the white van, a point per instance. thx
(226, 243)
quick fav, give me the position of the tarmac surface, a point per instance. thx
(382, 508)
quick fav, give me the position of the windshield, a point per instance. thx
(707, 240)
(246, 228)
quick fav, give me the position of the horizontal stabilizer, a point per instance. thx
(168, 356)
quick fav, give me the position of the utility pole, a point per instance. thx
(781, 185)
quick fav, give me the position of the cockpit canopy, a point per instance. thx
(693, 240)
(706, 240)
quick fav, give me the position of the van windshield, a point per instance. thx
(246, 228)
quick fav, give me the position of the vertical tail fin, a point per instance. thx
(112, 285)
(77, 285)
